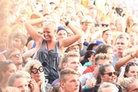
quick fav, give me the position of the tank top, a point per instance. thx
(50, 61)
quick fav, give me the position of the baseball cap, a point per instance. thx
(96, 42)
(61, 28)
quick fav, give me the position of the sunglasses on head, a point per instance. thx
(35, 70)
(106, 25)
(132, 63)
(111, 73)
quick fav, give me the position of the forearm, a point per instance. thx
(35, 21)
(29, 53)
(74, 29)
(31, 29)
(123, 61)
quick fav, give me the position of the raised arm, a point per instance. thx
(124, 60)
(32, 31)
(78, 33)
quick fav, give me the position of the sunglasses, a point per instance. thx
(16, 55)
(111, 73)
(35, 70)
(106, 25)
(132, 63)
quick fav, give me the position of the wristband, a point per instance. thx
(85, 87)
(66, 23)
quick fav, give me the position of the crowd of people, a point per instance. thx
(68, 46)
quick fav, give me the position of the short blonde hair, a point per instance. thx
(69, 54)
(102, 56)
(107, 85)
(65, 72)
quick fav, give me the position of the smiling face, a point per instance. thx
(49, 32)
(107, 78)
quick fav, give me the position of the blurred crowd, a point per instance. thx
(68, 46)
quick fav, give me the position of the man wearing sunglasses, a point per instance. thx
(15, 55)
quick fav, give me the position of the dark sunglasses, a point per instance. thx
(132, 63)
(105, 25)
(16, 55)
(35, 70)
(111, 73)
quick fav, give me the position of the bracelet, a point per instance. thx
(66, 23)
(85, 87)
(132, 56)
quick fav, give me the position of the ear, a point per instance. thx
(101, 76)
(126, 74)
(62, 84)
(64, 65)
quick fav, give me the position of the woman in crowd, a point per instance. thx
(107, 73)
(49, 48)
(36, 70)
(21, 80)
(7, 68)
(131, 70)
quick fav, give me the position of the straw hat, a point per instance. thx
(37, 26)
(75, 43)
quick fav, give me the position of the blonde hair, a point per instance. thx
(107, 85)
(126, 82)
(17, 75)
(69, 54)
(12, 89)
(50, 22)
(30, 63)
(66, 72)
(102, 56)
